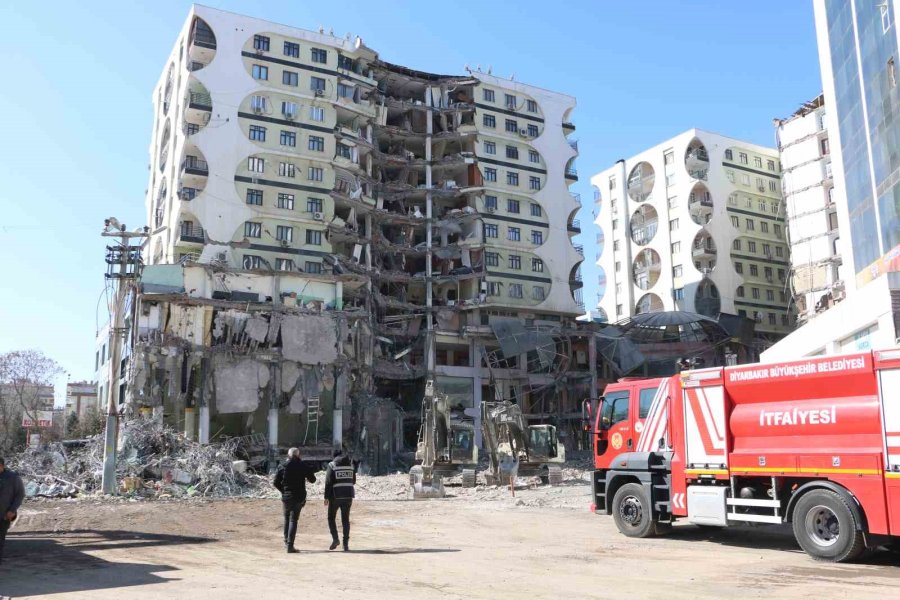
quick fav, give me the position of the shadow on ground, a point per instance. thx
(46, 562)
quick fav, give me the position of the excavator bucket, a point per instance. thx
(422, 487)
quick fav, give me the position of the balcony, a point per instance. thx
(199, 101)
(569, 126)
(195, 65)
(202, 44)
(576, 197)
(579, 249)
(191, 234)
(573, 144)
(191, 165)
(703, 251)
(575, 226)
(571, 173)
(696, 160)
(191, 128)
(188, 193)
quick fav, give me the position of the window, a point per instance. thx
(730, 175)
(512, 152)
(770, 165)
(490, 148)
(755, 293)
(757, 162)
(317, 84)
(534, 156)
(490, 230)
(537, 292)
(489, 121)
(740, 291)
(316, 143)
(255, 197)
(492, 259)
(316, 174)
(743, 158)
(775, 207)
(260, 42)
(515, 290)
(512, 178)
(313, 267)
(537, 265)
(536, 210)
(781, 296)
(784, 320)
(771, 318)
(615, 224)
(284, 264)
(736, 244)
(510, 101)
(288, 138)
(745, 179)
(735, 221)
(767, 249)
(781, 275)
(512, 205)
(779, 251)
(316, 113)
(251, 262)
(678, 293)
(345, 62)
(313, 205)
(285, 201)
(751, 247)
(292, 49)
(742, 312)
(739, 268)
(532, 131)
(253, 230)
(490, 174)
(750, 225)
(677, 271)
(676, 247)
(673, 225)
(531, 106)
(319, 55)
(729, 155)
(289, 109)
(618, 310)
(770, 295)
(534, 183)
(512, 126)
(669, 158)
(618, 266)
(537, 237)
(764, 227)
(313, 237)
(487, 95)
(493, 288)
(615, 407)
(283, 233)
(490, 202)
(754, 271)
(286, 169)
(290, 78)
(258, 103)
(515, 262)
(256, 165)
(260, 72)
(344, 90)
(514, 234)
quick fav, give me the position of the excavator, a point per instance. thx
(446, 446)
(533, 449)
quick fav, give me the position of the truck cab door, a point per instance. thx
(641, 408)
(616, 429)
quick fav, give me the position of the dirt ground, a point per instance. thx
(475, 544)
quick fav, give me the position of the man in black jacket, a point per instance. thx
(290, 480)
(12, 492)
(340, 476)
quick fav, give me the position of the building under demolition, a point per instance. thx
(329, 230)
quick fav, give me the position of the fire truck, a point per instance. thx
(814, 443)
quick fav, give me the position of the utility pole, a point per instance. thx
(128, 260)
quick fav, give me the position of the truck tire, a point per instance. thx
(826, 527)
(632, 511)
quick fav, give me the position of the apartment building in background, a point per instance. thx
(809, 199)
(437, 204)
(858, 55)
(82, 399)
(697, 224)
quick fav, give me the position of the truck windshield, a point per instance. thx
(615, 409)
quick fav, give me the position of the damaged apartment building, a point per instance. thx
(329, 231)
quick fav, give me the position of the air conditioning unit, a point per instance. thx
(511, 106)
(259, 50)
(318, 216)
(523, 132)
(289, 116)
(320, 92)
(761, 188)
(284, 243)
(491, 209)
(258, 109)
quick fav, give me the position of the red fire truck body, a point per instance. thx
(814, 442)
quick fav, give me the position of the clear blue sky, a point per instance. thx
(77, 82)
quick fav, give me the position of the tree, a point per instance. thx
(26, 379)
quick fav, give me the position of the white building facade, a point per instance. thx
(695, 223)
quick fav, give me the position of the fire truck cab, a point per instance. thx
(814, 443)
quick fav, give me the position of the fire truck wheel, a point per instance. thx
(826, 527)
(632, 511)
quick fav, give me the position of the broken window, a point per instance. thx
(515, 262)
(319, 55)
(490, 121)
(286, 169)
(288, 138)
(285, 201)
(515, 290)
(255, 197)
(316, 113)
(313, 237)
(284, 233)
(490, 148)
(256, 165)
(537, 293)
(512, 152)
(260, 42)
(514, 234)
(537, 265)
(490, 174)
(491, 230)
(512, 205)
(316, 143)
(490, 202)
(531, 106)
(534, 183)
(313, 267)
(284, 264)
(534, 156)
(512, 126)
(291, 78)
(512, 178)
(252, 229)
(251, 261)
(292, 49)
(492, 259)
(488, 95)
(260, 72)
(537, 237)
(316, 174)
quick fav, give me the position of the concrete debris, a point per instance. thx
(309, 339)
(238, 384)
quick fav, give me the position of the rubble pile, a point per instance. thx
(153, 461)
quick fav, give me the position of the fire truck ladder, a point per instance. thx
(312, 419)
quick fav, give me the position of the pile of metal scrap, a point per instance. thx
(153, 462)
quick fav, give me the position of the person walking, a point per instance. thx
(290, 480)
(12, 493)
(340, 477)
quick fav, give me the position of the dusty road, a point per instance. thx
(462, 547)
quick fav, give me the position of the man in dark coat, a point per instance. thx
(290, 480)
(340, 477)
(12, 493)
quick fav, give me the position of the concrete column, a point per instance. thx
(190, 423)
(337, 427)
(273, 426)
(203, 429)
(339, 295)
(476, 390)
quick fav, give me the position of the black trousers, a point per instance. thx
(4, 527)
(291, 516)
(333, 506)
